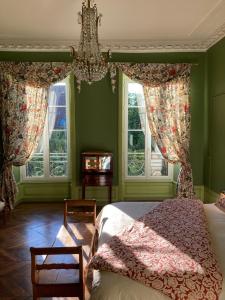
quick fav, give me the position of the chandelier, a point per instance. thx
(90, 64)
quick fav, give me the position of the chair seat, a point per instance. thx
(57, 276)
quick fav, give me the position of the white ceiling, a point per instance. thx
(127, 25)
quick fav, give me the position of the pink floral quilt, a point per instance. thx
(167, 249)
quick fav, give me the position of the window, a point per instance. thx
(50, 160)
(143, 159)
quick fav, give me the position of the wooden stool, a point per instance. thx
(80, 208)
(47, 282)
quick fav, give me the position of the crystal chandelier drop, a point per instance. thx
(90, 64)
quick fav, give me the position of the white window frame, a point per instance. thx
(46, 177)
(147, 176)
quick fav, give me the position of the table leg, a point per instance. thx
(83, 191)
(110, 193)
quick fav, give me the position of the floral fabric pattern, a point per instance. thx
(23, 102)
(166, 89)
(151, 75)
(36, 74)
(168, 111)
(173, 256)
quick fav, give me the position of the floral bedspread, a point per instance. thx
(167, 249)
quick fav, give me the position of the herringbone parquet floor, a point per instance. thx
(36, 225)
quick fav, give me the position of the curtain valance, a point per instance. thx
(35, 74)
(42, 74)
(151, 74)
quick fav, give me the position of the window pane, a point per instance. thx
(35, 167)
(57, 118)
(136, 141)
(135, 94)
(51, 156)
(159, 167)
(132, 99)
(136, 164)
(136, 118)
(57, 94)
(58, 164)
(143, 157)
(58, 142)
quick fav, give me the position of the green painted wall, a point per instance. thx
(96, 107)
(97, 121)
(215, 162)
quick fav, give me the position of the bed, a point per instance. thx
(113, 218)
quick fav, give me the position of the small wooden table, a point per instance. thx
(97, 170)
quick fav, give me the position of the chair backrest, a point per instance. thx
(50, 289)
(80, 208)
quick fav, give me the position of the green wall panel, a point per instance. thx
(217, 141)
(150, 191)
(49, 191)
(215, 163)
(97, 120)
(216, 62)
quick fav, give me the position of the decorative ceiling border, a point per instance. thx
(216, 36)
(117, 45)
(113, 45)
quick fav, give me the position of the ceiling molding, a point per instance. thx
(117, 45)
(113, 45)
(216, 36)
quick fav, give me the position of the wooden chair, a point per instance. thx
(80, 208)
(46, 277)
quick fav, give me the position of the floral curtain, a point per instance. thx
(168, 112)
(166, 89)
(23, 102)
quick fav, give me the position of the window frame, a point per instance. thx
(48, 178)
(147, 177)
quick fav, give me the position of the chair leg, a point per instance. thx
(34, 293)
(65, 214)
(82, 296)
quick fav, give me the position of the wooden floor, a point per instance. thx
(33, 225)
